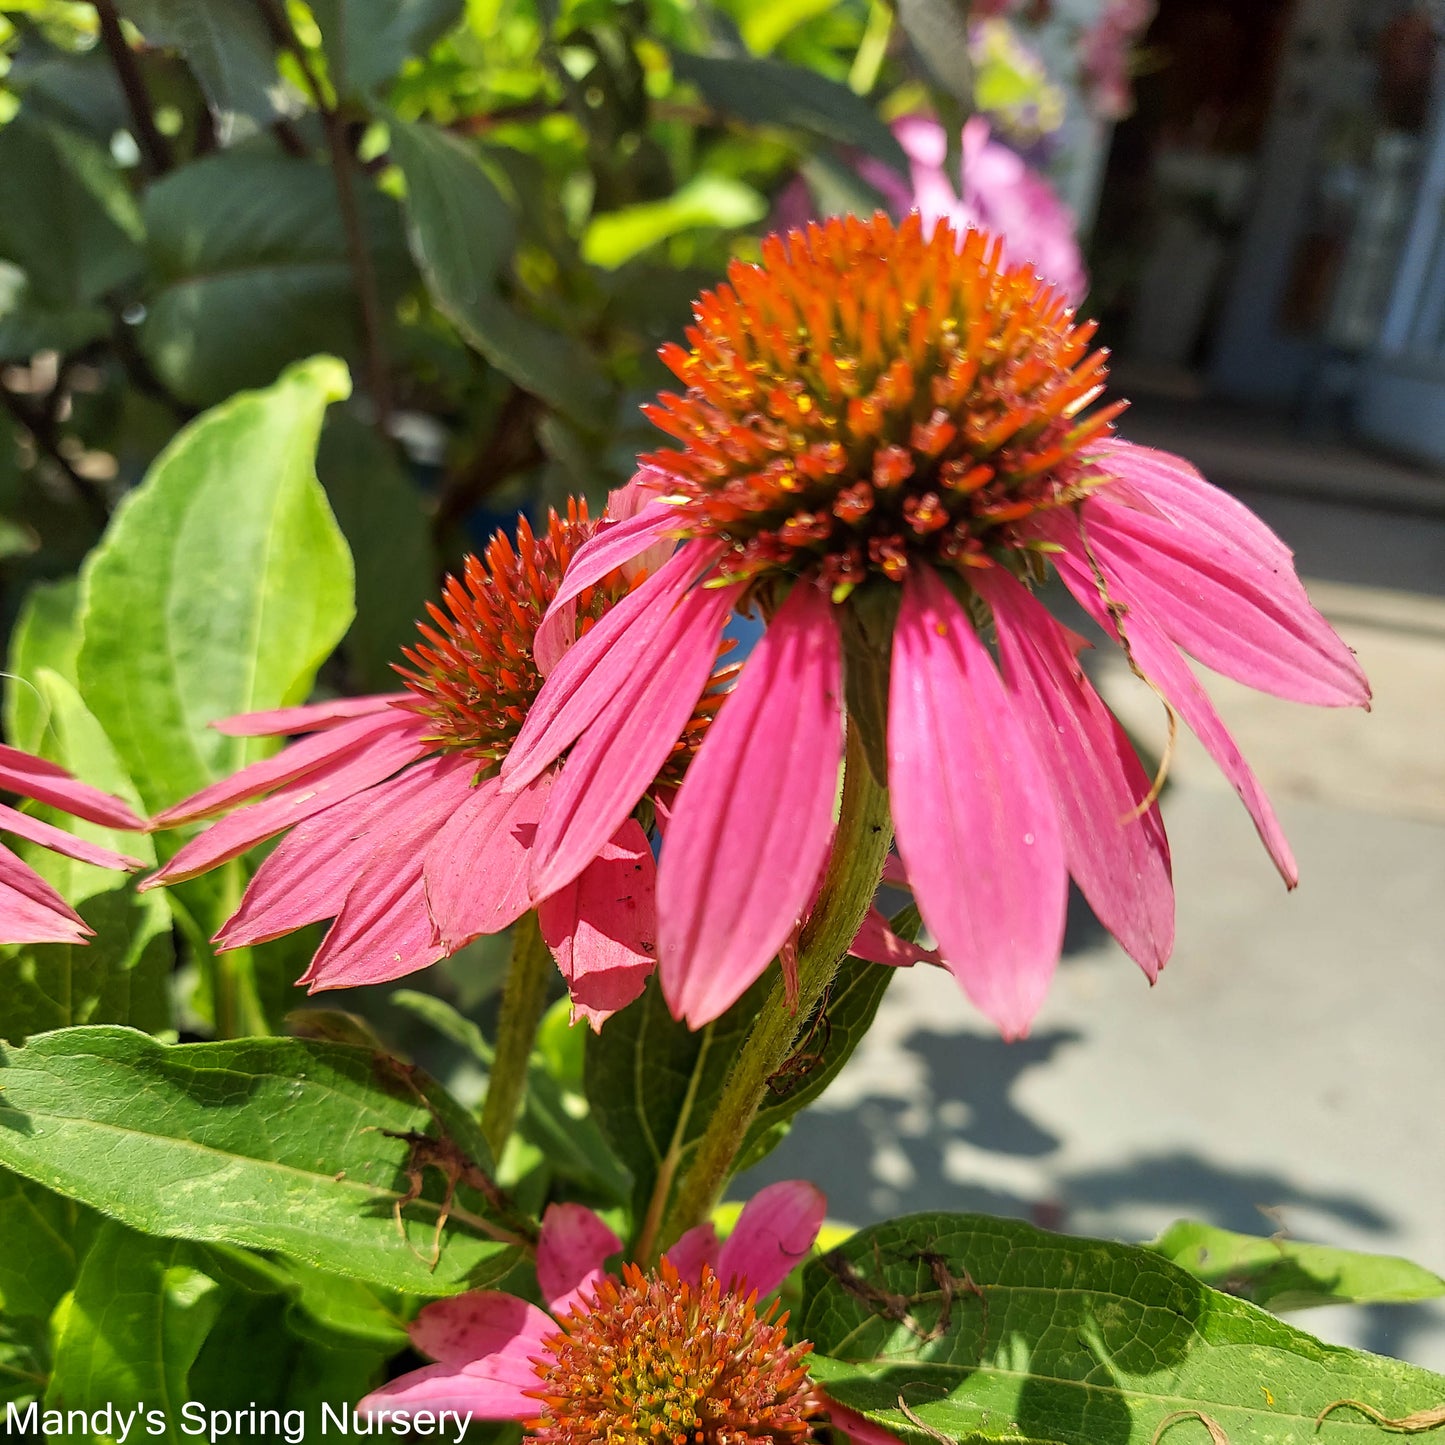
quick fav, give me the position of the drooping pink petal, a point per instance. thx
(307, 876)
(646, 485)
(332, 781)
(1158, 659)
(618, 757)
(34, 830)
(775, 1230)
(384, 929)
(859, 1427)
(476, 866)
(877, 943)
(613, 545)
(699, 1246)
(976, 821)
(1228, 610)
(1119, 859)
(31, 911)
(47, 782)
(450, 1387)
(590, 673)
(289, 764)
(308, 718)
(602, 927)
(572, 1254)
(894, 873)
(753, 820)
(1168, 485)
(467, 1329)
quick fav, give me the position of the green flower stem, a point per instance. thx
(859, 849)
(524, 1000)
(236, 997)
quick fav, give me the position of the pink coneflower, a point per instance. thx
(31, 911)
(883, 448)
(397, 826)
(681, 1355)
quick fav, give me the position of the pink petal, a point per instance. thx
(1231, 611)
(619, 756)
(1170, 487)
(384, 929)
(484, 1325)
(33, 830)
(1120, 860)
(289, 764)
(977, 825)
(476, 866)
(859, 1427)
(323, 786)
(602, 928)
(753, 820)
(46, 782)
(699, 1246)
(630, 499)
(31, 911)
(571, 1255)
(775, 1230)
(1160, 662)
(309, 718)
(613, 545)
(877, 943)
(591, 672)
(449, 1387)
(894, 873)
(308, 875)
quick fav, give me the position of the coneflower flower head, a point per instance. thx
(871, 398)
(887, 438)
(397, 827)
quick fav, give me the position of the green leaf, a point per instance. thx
(981, 1329)
(220, 587)
(24, 1358)
(368, 41)
(28, 326)
(462, 235)
(763, 26)
(37, 1265)
(272, 1144)
(706, 200)
(381, 514)
(46, 634)
(250, 253)
(66, 217)
(767, 92)
(1283, 1274)
(139, 1315)
(227, 46)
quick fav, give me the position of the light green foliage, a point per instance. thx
(220, 587)
(367, 41)
(273, 1144)
(1284, 1274)
(987, 1329)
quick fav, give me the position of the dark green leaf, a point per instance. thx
(1283, 1274)
(273, 1144)
(131, 1331)
(969, 1328)
(37, 1265)
(24, 1358)
(27, 327)
(221, 585)
(368, 41)
(768, 92)
(381, 514)
(462, 234)
(250, 252)
(227, 46)
(66, 218)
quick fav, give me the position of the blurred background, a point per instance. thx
(496, 210)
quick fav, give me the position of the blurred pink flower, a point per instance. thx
(1105, 52)
(711, 1363)
(31, 911)
(840, 430)
(999, 193)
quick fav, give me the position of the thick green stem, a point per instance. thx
(524, 1000)
(859, 849)
(235, 995)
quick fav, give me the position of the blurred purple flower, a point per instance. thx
(1105, 51)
